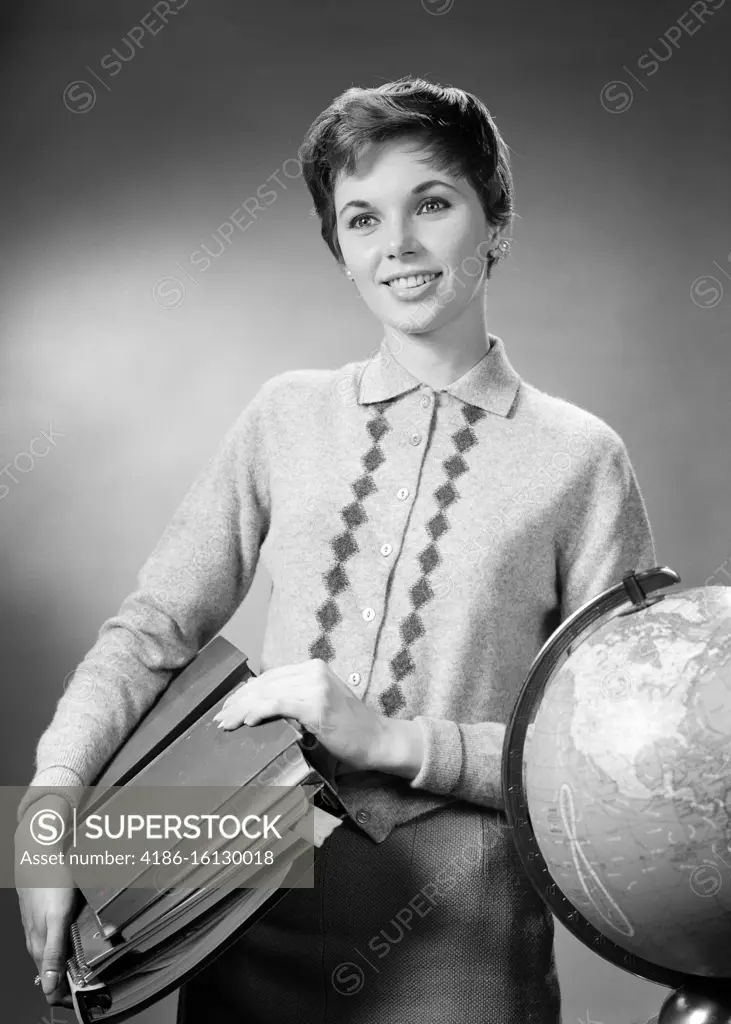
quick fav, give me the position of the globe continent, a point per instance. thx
(627, 778)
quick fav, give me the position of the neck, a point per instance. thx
(441, 356)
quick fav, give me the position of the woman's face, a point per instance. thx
(399, 217)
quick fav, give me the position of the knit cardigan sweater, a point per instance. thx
(424, 543)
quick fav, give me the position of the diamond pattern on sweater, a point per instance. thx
(344, 545)
(412, 627)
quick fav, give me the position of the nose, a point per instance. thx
(400, 241)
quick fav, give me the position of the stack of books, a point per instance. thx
(148, 928)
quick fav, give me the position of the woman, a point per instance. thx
(428, 518)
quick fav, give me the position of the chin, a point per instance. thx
(413, 320)
(431, 321)
(412, 328)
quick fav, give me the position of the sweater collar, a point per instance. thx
(491, 383)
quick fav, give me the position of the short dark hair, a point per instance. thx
(456, 128)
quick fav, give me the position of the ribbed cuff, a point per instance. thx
(59, 780)
(443, 756)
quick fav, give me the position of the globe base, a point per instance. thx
(702, 1001)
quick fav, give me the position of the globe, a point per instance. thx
(617, 783)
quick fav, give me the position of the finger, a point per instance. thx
(301, 668)
(284, 700)
(300, 674)
(61, 996)
(253, 712)
(35, 948)
(239, 697)
(238, 693)
(54, 956)
(262, 702)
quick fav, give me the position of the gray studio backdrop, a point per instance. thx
(138, 317)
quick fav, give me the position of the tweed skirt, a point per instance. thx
(438, 924)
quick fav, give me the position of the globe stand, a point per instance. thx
(695, 999)
(700, 1001)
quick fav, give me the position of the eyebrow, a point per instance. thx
(361, 204)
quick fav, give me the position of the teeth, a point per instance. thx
(411, 282)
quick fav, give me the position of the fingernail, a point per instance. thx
(221, 725)
(49, 981)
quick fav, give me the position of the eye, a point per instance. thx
(444, 205)
(354, 222)
(441, 204)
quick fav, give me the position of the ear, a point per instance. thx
(501, 234)
(492, 238)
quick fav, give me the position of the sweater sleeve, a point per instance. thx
(198, 574)
(603, 532)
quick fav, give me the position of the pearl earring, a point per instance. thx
(501, 250)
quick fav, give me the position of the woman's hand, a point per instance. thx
(46, 915)
(321, 702)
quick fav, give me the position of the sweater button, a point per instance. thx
(415, 438)
(425, 401)
(402, 493)
(386, 549)
(354, 678)
(362, 817)
(368, 614)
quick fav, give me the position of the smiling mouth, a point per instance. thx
(413, 281)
